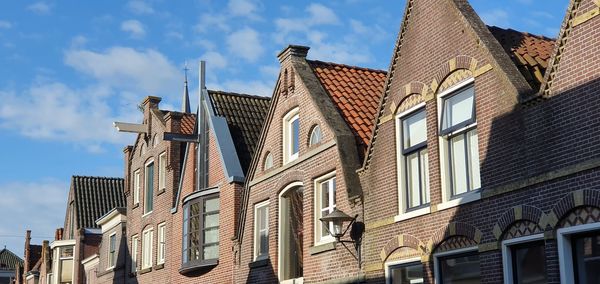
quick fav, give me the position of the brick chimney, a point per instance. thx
(27, 252)
(58, 235)
(148, 104)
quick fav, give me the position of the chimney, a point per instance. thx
(45, 255)
(149, 103)
(27, 253)
(58, 235)
(293, 51)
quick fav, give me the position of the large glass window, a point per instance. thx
(411, 273)
(415, 162)
(291, 135)
(201, 231)
(459, 130)
(325, 204)
(315, 135)
(528, 261)
(586, 257)
(112, 250)
(149, 190)
(261, 230)
(66, 265)
(147, 240)
(459, 268)
(161, 243)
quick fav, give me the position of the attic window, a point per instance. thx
(291, 135)
(315, 136)
(268, 161)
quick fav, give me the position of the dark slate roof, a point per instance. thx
(94, 197)
(529, 52)
(9, 260)
(35, 255)
(245, 115)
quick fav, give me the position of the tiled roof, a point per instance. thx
(187, 123)
(529, 52)
(9, 260)
(356, 93)
(94, 197)
(35, 254)
(245, 115)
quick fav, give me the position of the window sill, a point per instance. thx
(161, 191)
(321, 248)
(259, 263)
(464, 199)
(159, 266)
(412, 214)
(192, 267)
(146, 214)
(145, 270)
(293, 281)
(135, 205)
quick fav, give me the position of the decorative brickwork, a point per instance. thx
(527, 213)
(454, 243)
(521, 229)
(401, 241)
(455, 229)
(580, 216)
(571, 201)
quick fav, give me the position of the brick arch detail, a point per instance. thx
(289, 177)
(573, 200)
(411, 93)
(515, 214)
(400, 241)
(449, 67)
(451, 230)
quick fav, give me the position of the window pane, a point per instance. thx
(587, 258)
(406, 274)
(295, 135)
(211, 252)
(458, 164)
(460, 269)
(149, 188)
(529, 264)
(66, 274)
(264, 242)
(425, 175)
(211, 235)
(315, 136)
(458, 108)
(325, 194)
(412, 180)
(414, 129)
(474, 159)
(211, 220)
(211, 205)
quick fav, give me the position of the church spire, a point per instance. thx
(185, 105)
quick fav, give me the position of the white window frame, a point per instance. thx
(386, 265)
(162, 171)
(147, 244)
(319, 239)
(507, 254)
(151, 161)
(161, 245)
(290, 117)
(112, 259)
(403, 214)
(447, 200)
(282, 228)
(437, 256)
(268, 163)
(137, 175)
(258, 206)
(135, 242)
(565, 249)
(313, 132)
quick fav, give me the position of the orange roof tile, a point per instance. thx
(529, 52)
(356, 92)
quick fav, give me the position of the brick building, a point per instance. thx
(483, 167)
(10, 264)
(313, 141)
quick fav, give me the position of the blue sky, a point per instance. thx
(70, 68)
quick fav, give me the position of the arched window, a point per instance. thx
(315, 136)
(143, 148)
(268, 161)
(155, 141)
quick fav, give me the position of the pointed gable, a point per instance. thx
(9, 260)
(356, 92)
(94, 197)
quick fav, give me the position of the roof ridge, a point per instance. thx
(239, 94)
(346, 65)
(96, 177)
(524, 32)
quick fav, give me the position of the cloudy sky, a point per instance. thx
(70, 68)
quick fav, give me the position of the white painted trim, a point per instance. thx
(280, 227)
(386, 266)
(135, 252)
(507, 254)
(116, 251)
(565, 252)
(137, 176)
(162, 156)
(318, 240)
(436, 262)
(412, 214)
(197, 194)
(287, 119)
(293, 281)
(466, 198)
(90, 259)
(256, 232)
(456, 88)
(162, 225)
(150, 243)
(150, 161)
(62, 243)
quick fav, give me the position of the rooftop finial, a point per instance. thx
(185, 105)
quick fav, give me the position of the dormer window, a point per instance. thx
(291, 136)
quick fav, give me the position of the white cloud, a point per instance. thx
(134, 28)
(78, 41)
(243, 8)
(321, 15)
(17, 203)
(39, 8)
(271, 71)
(246, 44)
(148, 70)
(209, 22)
(317, 15)
(5, 25)
(496, 17)
(140, 7)
(215, 60)
(258, 88)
